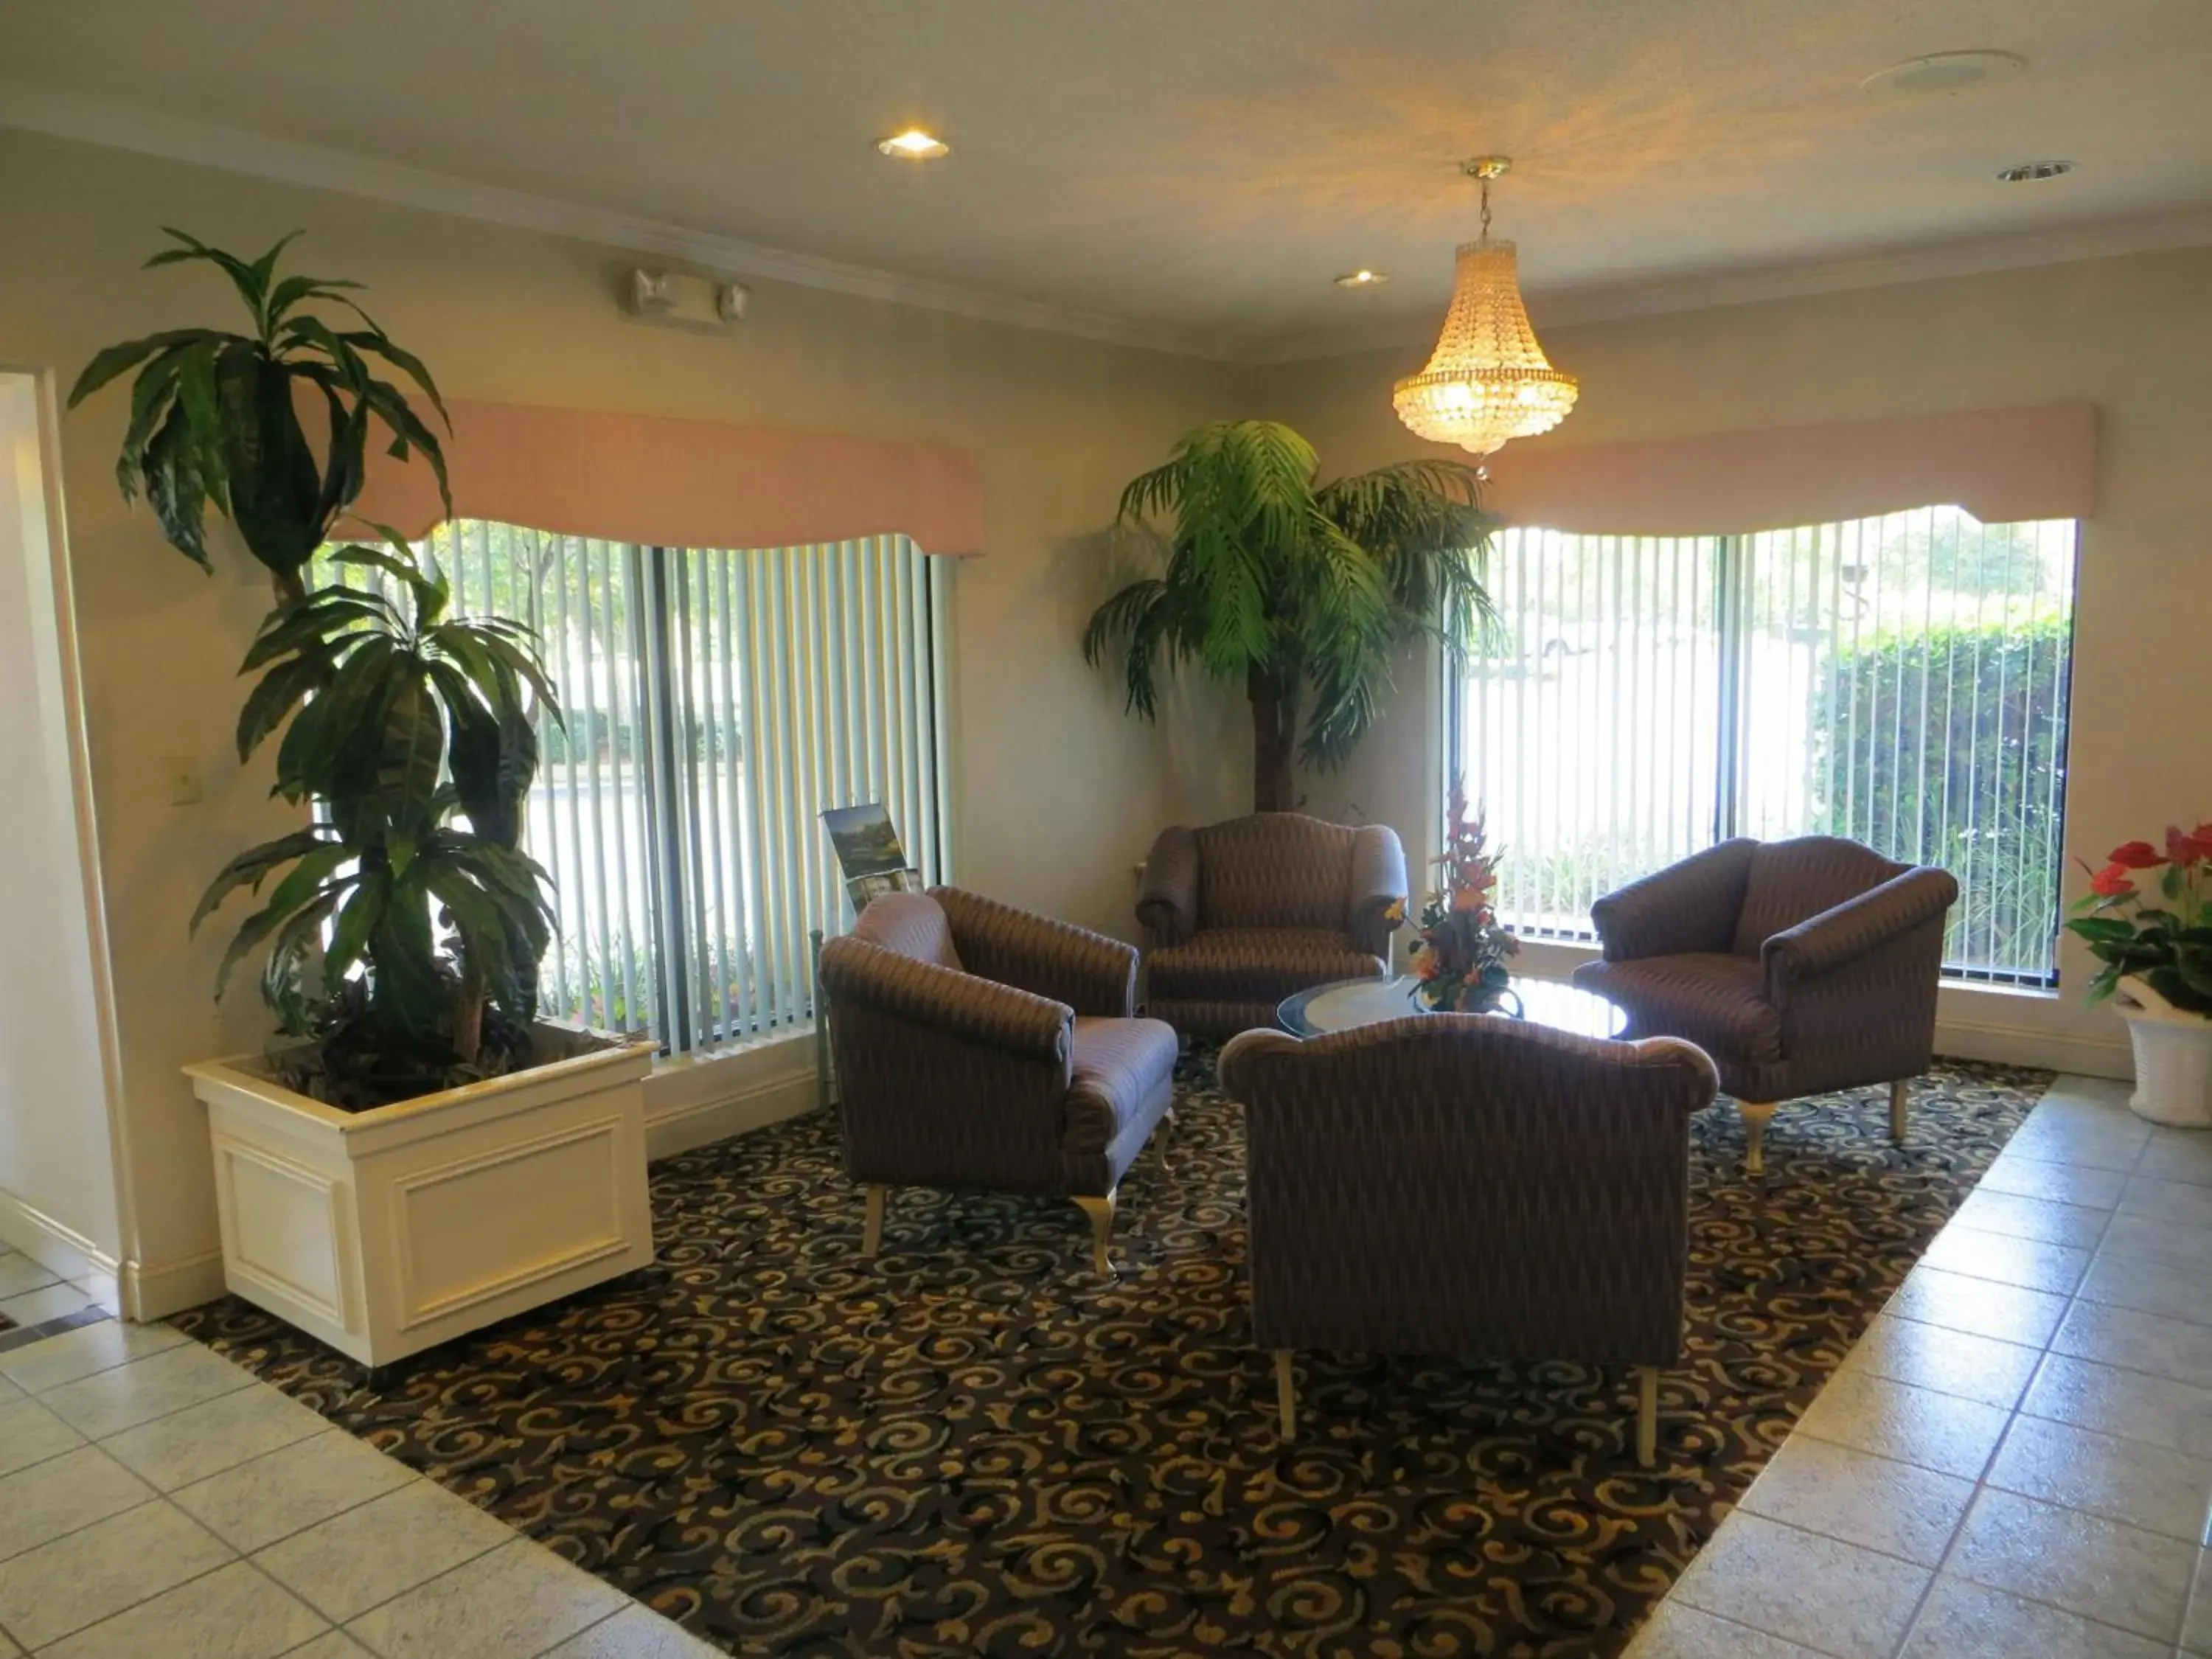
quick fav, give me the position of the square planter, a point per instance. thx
(388, 1231)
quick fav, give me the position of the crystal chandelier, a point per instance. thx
(1488, 381)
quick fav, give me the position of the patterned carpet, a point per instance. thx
(977, 1448)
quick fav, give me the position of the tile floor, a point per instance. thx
(2016, 1459)
(155, 1498)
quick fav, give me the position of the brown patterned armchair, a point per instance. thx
(1471, 1185)
(982, 1047)
(1240, 915)
(1800, 966)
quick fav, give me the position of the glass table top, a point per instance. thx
(1349, 1003)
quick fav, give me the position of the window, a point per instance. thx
(716, 702)
(1901, 680)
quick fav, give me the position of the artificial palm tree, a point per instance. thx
(1302, 592)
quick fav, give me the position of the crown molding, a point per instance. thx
(1570, 306)
(118, 126)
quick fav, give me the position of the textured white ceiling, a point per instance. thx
(1204, 166)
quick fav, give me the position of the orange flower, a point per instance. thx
(2141, 854)
(2112, 882)
(1467, 898)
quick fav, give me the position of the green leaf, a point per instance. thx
(117, 359)
(250, 867)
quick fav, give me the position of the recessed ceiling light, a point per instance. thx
(914, 145)
(2028, 173)
(1944, 71)
(1362, 277)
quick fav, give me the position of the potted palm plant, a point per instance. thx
(1297, 591)
(417, 1154)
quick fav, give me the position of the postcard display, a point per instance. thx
(874, 862)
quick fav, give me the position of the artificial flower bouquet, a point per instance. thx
(2162, 937)
(1460, 952)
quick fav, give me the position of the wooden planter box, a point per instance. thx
(388, 1231)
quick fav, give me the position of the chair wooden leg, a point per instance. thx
(1755, 1115)
(1897, 1103)
(1286, 1395)
(1101, 1212)
(1647, 1415)
(872, 1235)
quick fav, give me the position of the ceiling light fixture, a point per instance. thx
(2028, 173)
(1944, 71)
(914, 145)
(1488, 382)
(1362, 277)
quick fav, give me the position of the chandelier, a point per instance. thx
(1488, 381)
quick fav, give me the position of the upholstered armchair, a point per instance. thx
(1800, 966)
(1469, 1185)
(1240, 915)
(982, 1047)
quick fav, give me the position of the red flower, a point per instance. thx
(2112, 882)
(2189, 850)
(2141, 854)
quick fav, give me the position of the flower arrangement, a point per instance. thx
(1459, 955)
(2163, 940)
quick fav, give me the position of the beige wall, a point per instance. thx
(2132, 335)
(57, 1174)
(1057, 795)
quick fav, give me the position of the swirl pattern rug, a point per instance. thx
(973, 1446)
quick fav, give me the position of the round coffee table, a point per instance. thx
(1349, 1003)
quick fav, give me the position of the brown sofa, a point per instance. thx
(1240, 915)
(1800, 966)
(979, 1046)
(1470, 1185)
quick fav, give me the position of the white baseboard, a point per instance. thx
(2055, 1051)
(680, 1129)
(156, 1290)
(60, 1250)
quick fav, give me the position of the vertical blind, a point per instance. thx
(1901, 680)
(716, 702)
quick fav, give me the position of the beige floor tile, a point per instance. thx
(2196, 1627)
(1965, 1620)
(2152, 1488)
(29, 1434)
(1950, 1362)
(290, 1490)
(2186, 1201)
(1938, 1432)
(1854, 1603)
(201, 1440)
(2113, 1574)
(2136, 1341)
(54, 1301)
(49, 1592)
(2008, 1259)
(2101, 1145)
(1899, 1509)
(80, 1353)
(7, 1648)
(639, 1632)
(336, 1645)
(2043, 1219)
(1675, 1631)
(19, 1273)
(519, 1598)
(63, 1495)
(2133, 1405)
(2179, 1155)
(2151, 1239)
(349, 1563)
(107, 1402)
(2059, 1183)
(2157, 1287)
(233, 1613)
(1981, 1306)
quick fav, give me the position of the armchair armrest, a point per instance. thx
(1689, 907)
(1376, 905)
(1088, 972)
(1234, 1068)
(1850, 929)
(998, 1017)
(1168, 906)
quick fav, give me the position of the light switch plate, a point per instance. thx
(185, 783)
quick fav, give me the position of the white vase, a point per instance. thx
(2173, 1057)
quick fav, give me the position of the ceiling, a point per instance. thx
(1198, 170)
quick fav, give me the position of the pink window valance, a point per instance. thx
(682, 483)
(2003, 465)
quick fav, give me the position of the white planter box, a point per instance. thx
(388, 1231)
